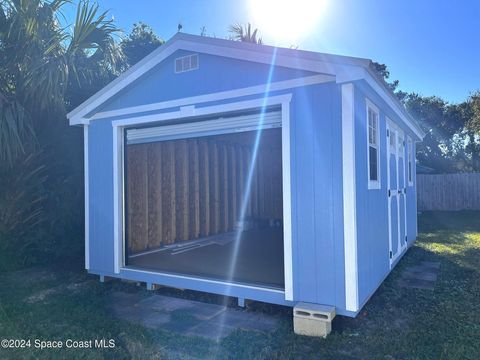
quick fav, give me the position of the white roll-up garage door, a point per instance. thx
(220, 125)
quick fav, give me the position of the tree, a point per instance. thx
(140, 42)
(46, 69)
(40, 59)
(471, 111)
(451, 143)
(384, 74)
(431, 113)
(474, 123)
(245, 33)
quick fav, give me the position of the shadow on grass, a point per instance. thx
(396, 323)
(433, 221)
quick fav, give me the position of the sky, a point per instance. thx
(431, 46)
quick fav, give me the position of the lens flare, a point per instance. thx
(286, 20)
(248, 188)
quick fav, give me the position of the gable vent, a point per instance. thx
(186, 63)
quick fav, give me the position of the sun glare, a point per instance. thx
(286, 20)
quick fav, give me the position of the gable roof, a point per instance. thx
(344, 68)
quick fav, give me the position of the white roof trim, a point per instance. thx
(123, 80)
(343, 67)
(394, 103)
(386, 95)
(323, 63)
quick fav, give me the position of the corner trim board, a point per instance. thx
(118, 199)
(287, 201)
(87, 197)
(349, 198)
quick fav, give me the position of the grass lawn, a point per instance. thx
(398, 323)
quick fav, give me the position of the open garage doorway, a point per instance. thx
(204, 199)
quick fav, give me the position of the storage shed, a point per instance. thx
(262, 173)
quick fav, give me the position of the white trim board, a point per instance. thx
(87, 197)
(118, 128)
(118, 201)
(126, 270)
(287, 201)
(349, 198)
(373, 184)
(395, 105)
(410, 161)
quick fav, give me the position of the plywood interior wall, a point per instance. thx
(191, 188)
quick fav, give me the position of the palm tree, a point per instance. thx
(40, 59)
(245, 33)
(46, 67)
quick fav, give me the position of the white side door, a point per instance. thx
(396, 191)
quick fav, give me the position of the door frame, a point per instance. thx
(401, 245)
(191, 112)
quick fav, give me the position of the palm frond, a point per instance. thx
(244, 33)
(90, 31)
(22, 201)
(15, 131)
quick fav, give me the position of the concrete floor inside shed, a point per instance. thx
(257, 260)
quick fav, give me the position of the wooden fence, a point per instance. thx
(448, 191)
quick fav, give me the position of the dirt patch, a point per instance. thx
(79, 286)
(41, 295)
(420, 276)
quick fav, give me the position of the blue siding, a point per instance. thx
(317, 178)
(372, 221)
(100, 165)
(372, 206)
(215, 74)
(412, 205)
